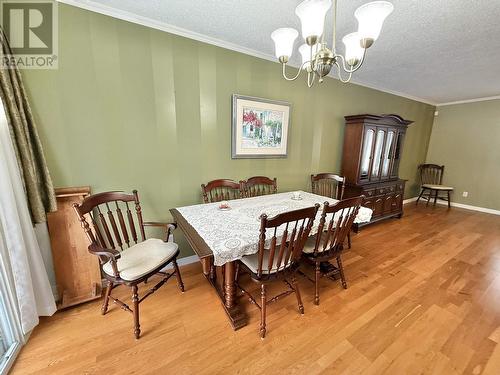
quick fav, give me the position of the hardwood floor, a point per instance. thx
(426, 301)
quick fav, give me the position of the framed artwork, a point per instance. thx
(259, 128)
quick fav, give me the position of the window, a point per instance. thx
(10, 335)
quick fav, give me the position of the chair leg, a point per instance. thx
(316, 284)
(262, 311)
(429, 196)
(349, 239)
(420, 196)
(135, 300)
(178, 276)
(104, 308)
(435, 197)
(449, 199)
(297, 294)
(341, 270)
(237, 272)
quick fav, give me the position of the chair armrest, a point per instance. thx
(110, 255)
(169, 227)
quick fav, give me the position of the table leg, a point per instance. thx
(206, 265)
(223, 279)
(237, 318)
(229, 284)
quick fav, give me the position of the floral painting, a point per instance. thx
(260, 127)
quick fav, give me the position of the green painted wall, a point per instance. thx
(466, 139)
(132, 107)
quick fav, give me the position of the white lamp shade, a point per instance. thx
(305, 52)
(283, 41)
(353, 50)
(371, 17)
(312, 16)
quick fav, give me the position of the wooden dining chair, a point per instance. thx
(335, 223)
(431, 178)
(328, 185)
(126, 256)
(259, 185)
(332, 186)
(278, 256)
(221, 190)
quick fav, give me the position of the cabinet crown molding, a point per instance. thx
(386, 119)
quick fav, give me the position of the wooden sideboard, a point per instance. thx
(372, 151)
(78, 275)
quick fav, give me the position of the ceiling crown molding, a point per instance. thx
(470, 100)
(162, 26)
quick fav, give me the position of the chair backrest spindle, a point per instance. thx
(221, 190)
(290, 244)
(259, 185)
(431, 174)
(123, 228)
(328, 185)
(97, 217)
(338, 219)
(139, 214)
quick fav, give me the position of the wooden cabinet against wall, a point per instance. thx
(78, 276)
(372, 151)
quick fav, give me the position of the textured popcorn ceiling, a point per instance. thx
(437, 50)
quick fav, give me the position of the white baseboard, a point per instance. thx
(184, 261)
(409, 200)
(188, 260)
(472, 208)
(459, 205)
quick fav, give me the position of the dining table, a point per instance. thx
(220, 237)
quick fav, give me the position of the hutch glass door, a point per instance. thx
(377, 154)
(368, 138)
(388, 150)
(397, 154)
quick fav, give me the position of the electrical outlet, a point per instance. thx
(465, 194)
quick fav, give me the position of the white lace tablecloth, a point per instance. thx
(233, 233)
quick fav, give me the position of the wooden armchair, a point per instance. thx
(259, 185)
(126, 258)
(332, 186)
(221, 190)
(335, 223)
(278, 256)
(431, 177)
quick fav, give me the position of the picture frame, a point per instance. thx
(260, 128)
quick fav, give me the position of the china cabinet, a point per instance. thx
(372, 152)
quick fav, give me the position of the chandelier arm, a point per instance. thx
(356, 67)
(310, 82)
(296, 76)
(340, 75)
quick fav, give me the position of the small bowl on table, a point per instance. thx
(224, 206)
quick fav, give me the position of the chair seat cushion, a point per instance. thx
(252, 262)
(437, 187)
(142, 258)
(311, 243)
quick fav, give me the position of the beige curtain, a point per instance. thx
(27, 146)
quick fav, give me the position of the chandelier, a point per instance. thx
(317, 58)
